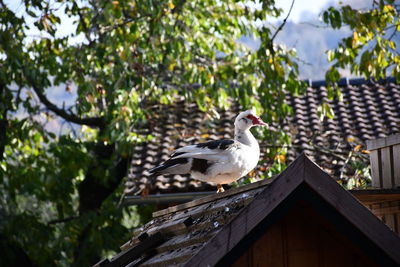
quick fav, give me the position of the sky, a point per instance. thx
(303, 9)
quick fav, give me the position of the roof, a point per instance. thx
(187, 234)
(368, 111)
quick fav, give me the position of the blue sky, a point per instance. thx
(303, 9)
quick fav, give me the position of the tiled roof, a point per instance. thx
(188, 234)
(368, 111)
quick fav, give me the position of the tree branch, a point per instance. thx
(314, 25)
(315, 148)
(84, 26)
(62, 220)
(281, 26)
(3, 123)
(92, 121)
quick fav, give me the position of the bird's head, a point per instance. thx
(247, 119)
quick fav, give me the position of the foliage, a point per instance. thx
(61, 188)
(371, 50)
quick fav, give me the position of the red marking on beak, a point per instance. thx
(256, 120)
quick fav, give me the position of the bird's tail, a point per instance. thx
(172, 166)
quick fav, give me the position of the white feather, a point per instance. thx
(224, 165)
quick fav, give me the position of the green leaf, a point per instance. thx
(325, 110)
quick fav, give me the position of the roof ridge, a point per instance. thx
(350, 81)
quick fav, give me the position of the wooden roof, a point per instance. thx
(188, 234)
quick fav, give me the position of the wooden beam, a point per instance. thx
(383, 142)
(370, 196)
(383, 211)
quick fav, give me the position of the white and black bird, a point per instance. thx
(220, 161)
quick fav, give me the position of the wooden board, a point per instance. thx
(216, 196)
(383, 142)
(376, 175)
(371, 196)
(396, 165)
(303, 238)
(386, 161)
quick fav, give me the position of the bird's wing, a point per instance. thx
(208, 153)
(212, 150)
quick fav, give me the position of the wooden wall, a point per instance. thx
(385, 161)
(389, 213)
(303, 238)
(383, 203)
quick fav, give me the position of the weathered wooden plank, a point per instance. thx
(127, 256)
(375, 196)
(390, 220)
(178, 242)
(210, 198)
(383, 142)
(376, 206)
(374, 157)
(386, 210)
(240, 199)
(396, 165)
(386, 163)
(170, 258)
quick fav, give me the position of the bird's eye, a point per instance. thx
(245, 120)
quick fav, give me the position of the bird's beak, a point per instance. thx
(256, 120)
(261, 123)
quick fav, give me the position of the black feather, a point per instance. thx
(177, 154)
(200, 165)
(221, 144)
(168, 163)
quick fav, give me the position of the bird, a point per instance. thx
(219, 161)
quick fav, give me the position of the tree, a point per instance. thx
(61, 190)
(372, 50)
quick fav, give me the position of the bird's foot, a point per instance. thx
(220, 189)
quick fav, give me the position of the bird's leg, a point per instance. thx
(220, 189)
